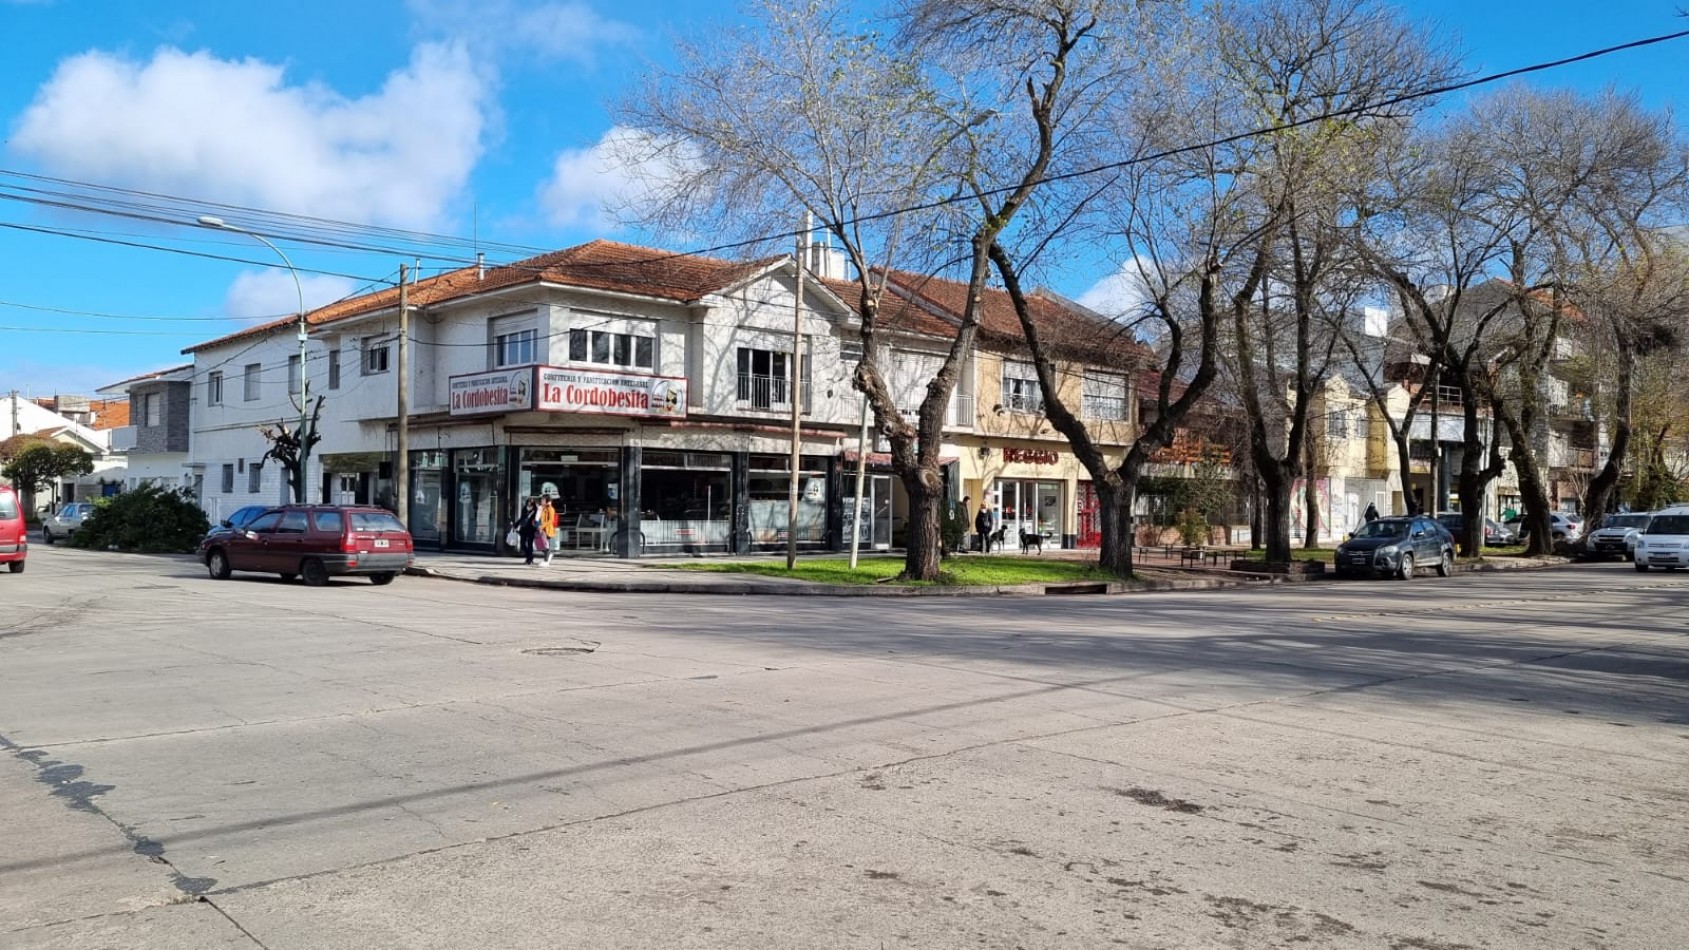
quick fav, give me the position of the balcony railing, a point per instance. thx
(962, 410)
(770, 393)
(123, 439)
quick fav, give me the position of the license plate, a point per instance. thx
(1359, 559)
(380, 542)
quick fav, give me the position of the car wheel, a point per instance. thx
(217, 565)
(314, 573)
(1405, 572)
(46, 536)
(288, 576)
(16, 567)
(1642, 567)
(382, 580)
(1445, 564)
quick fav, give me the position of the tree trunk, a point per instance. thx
(1598, 497)
(921, 557)
(1310, 502)
(1276, 486)
(1532, 490)
(1114, 504)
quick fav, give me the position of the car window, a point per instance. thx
(8, 506)
(375, 521)
(265, 522)
(1625, 521)
(246, 515)
(1382, 529)
(329, 522)
(292, 522)
(1669, 524)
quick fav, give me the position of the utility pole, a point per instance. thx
(402, 471)
(14, 412)
(797, 399)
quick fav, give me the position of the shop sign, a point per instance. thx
(1030, 456)
(611, 393)
(510, 390)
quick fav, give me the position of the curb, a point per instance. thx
(806, 589)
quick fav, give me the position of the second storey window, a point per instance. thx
(152, 409)
(375, 356)
(334, 368)
(765, 378)
(250, 381)
(515, 341)
(1020, 387)
(1105, 396)
(214, 389)
(630, 350)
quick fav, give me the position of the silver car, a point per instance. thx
(64, 522)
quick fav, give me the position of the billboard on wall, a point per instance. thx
(506, 390)
(608, 392)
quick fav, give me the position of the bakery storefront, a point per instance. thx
(626, 471)
(1034, 489)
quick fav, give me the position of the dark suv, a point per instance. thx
(1396, 547)
(315, 542)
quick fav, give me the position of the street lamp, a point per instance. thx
(211, 221)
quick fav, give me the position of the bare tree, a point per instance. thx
(808, 108)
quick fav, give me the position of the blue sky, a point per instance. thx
(447, 116)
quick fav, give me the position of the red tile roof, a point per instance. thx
(109, 413)
(896, 312)
(1059, 324)
(597, 265)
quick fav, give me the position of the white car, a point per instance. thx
(64, 522)
(1665, 543)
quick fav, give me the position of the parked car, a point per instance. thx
(314, 542)
(1396, 547)
(1617, 536)
(1562, 527)
(63, 523)
(237, 521)
(14, 532)
(1665, 542)
(1495, 534)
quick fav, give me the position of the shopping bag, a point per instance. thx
(513, 539)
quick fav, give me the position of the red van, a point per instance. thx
(314, 542)
(14, 537)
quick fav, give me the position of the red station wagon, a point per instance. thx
(14, 534)
(315, 542)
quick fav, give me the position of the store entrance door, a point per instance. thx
(1030, 507)
(876, 513)
(1090, 517)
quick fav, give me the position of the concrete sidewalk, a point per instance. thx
(666, 576)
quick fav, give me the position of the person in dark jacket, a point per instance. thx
(1371, 513)
(527, 525)
(983, 525)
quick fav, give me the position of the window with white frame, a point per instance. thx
(214, 389)
(765, 378)
(334, 368)
(294, 383)
(250, 381)
(152, 409)
(228, 478)
(515, 341)
(375, 355)
(1104, 396)
(1021, 392)
(1343, 423)
(615, 343)
(254, 476)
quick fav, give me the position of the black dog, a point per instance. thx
(995, 538)
(1030, 540)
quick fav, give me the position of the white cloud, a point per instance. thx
(1119, 294)
(568, 31)
(589, 185)
(268, 294)
(234, 131)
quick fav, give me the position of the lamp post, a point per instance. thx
(211, 221)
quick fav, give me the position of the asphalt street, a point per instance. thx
(1489, 761)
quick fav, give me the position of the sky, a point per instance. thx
(483, 120)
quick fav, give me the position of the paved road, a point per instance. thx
(1493, 761)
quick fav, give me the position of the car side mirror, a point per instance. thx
(226, 523)
(250, 535)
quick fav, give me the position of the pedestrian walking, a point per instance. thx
(1371, 513)
(547, 537)
(528, 525)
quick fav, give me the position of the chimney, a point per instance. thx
(480, 266)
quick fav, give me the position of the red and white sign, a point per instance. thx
(509, 390)
(612, 393)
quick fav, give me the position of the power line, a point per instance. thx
(123, 316)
